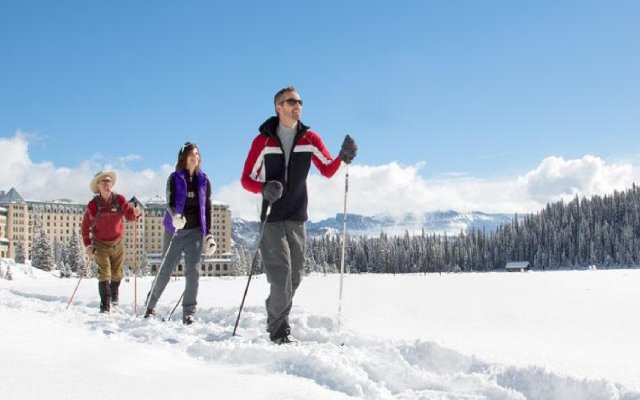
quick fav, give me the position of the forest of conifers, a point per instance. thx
(601, 230)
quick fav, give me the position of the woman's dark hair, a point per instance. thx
(184, 152)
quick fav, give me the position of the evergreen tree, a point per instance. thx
(65, 271)
(259, 267)
(76, 254)
(64, 254)
(92, 270)
(239, 259)
(19, 258)
(57, 253)
(41, 251)
(144, 268)
(602, 230)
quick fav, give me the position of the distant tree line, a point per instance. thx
(66, 257)
(601, 230)
(69, 258)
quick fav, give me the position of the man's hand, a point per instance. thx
(272, 191)
(349, 150)
(89, 250)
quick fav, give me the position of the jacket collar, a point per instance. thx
(183, 175)
(270, 127)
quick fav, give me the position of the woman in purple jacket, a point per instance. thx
(187, 229)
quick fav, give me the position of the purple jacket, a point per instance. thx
(180, 195)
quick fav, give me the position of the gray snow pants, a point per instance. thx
(190, 242)
(282, 247)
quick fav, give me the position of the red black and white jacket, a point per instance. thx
(265, 162)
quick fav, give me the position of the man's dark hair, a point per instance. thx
(278, 97)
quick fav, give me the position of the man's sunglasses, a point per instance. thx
(292, 102)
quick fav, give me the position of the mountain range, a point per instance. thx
(440, 222)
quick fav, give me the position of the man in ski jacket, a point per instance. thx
(102, 235)
(277, 166)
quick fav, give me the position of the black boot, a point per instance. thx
(105, 296)
(114, 292)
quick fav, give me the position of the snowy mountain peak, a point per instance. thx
(449, 222)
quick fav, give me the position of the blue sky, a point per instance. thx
(448, 96)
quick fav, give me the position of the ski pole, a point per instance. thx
(182, 295)
(155, 280)
(253, 264)
(344, 242)
(135, 263)
(174, 308)
(78, 285)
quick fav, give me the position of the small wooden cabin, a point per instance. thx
(518, 266)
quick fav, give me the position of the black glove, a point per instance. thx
(348, 150)
(272, 191)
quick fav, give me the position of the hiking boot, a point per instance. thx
(287, 339)
(114, 286)
(105, 296)
(150, 313)
(188, 319)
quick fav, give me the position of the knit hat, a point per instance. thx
(96, 178)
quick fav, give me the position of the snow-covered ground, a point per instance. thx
(538, 335)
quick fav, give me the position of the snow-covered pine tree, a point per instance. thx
(309, 262)
(65, 271)
(35, 250)
(144, 267)
(259, 268)
(76, 256)
(57, 253)
(41, 251)
(92, 270)
(239, 259)
(8, 275)
(64, 254)
(19, 258)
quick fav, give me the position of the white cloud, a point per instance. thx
(393, 188)
(45, 181)
(389, 188)
(557, 178)
(130, 157)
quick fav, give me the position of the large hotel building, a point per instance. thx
(61, 218)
